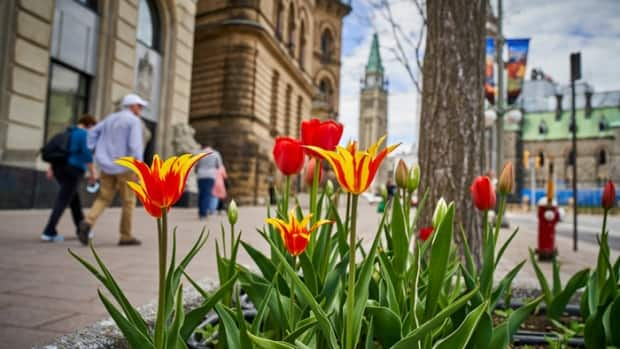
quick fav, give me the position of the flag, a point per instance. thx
(489, 79)
(515, 67)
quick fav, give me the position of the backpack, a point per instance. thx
(56, 151)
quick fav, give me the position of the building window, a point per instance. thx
(67, 98)
(541, 159)
(148, 25)
(327, 44)
(300, 102)
(90, 4)
(603, 125)
(273, 113)
(602, 157)
(588, 108)
(291, 30)
(326, 92)
(542, 128)
(287, 110)
(302, 44)
(558, 106)
(570, 161)
(279, 19)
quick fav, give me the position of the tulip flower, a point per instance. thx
(161, 185)
(322, 134)
(425, 233)
(309, 175)
(413, 180)
(483, 193)
(295, 234)
(440, 211)
(288, 155)
(609, 196)
(506, 179)
(401, 174)
(355, 169)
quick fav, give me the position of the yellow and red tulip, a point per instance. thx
(355, 169)
(160, 185)
(295, 234)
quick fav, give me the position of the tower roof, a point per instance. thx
(374, 59)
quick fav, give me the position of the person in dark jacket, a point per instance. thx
(69, 175)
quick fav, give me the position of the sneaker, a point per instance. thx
(83, 232)
(52, 238)
(130, 242)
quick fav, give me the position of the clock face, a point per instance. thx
(370, 80)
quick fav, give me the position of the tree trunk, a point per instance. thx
(451, 132)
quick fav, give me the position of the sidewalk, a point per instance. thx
(45, 293)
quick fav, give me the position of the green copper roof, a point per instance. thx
(559, 129)
(374, 59)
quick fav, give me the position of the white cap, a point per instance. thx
(132, 99)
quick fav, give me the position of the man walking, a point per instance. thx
(118, 135)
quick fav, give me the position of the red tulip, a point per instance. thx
(309, 176)
(289, 155)
(483, 193)
(425, 233)
(609, 195)
(322, 134)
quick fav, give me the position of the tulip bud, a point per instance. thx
(233, 212)
(309, 175)
(506, 179)
(401, 175)
(329, 187)
(609, 196)
(384, 193)
(440, 211)
(425, 233)
(483, 193)
(413, 180)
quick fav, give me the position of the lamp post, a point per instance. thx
(499, 48)
(575, 74)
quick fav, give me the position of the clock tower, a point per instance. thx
(373, 99)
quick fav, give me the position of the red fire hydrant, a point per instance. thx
(548, 217)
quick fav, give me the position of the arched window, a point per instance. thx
(148, 25)
(541, 159)
(326, 92)
(279, 19)
(327, 44)
(302, 44)
(291, 30)
(602, 157)
(273, 117)
(542, 128)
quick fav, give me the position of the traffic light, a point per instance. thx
(526, 159)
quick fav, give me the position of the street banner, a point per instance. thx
(489, 78)
(515, 67)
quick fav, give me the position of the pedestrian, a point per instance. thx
(206, 171)
(118, 135)
(69, 174)
(219, 189)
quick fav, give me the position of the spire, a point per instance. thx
(374, 59)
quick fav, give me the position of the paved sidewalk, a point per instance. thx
(45, 293)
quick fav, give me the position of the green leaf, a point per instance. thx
(244, 339)
(308, 298)
(416, 335)
(133, 335)
(504, 285)
(196, 316)
(482, 335)
(391, 283)
(230, 328)
(301, 327)
(542, 280)
(504, 245)
(611, 322)
(503, 333)
(461, 336)
(265, 343)
(309, 273)
(370, 335)
(559, 302)
(399, 236)
(262, 310)
(387, 325)
(173, 337)
(469, 259)
(557, 283)
(440, 251)
(488, 261)
(594, 332)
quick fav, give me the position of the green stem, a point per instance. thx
(499, 217)
(605, 211)
(350, 343)
(161, 303)
(287, 191)
(291, 310)
(232, 241)
(348, 212)
(314, 190)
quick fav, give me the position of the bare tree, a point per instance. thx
(451, 121)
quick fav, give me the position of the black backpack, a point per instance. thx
(56, 151)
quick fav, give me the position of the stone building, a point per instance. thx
(373, 119)
(545, 134)
(260, 68)
(62, 58)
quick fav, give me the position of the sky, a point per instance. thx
(555, 28)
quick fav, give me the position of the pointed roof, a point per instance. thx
(374, 59)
